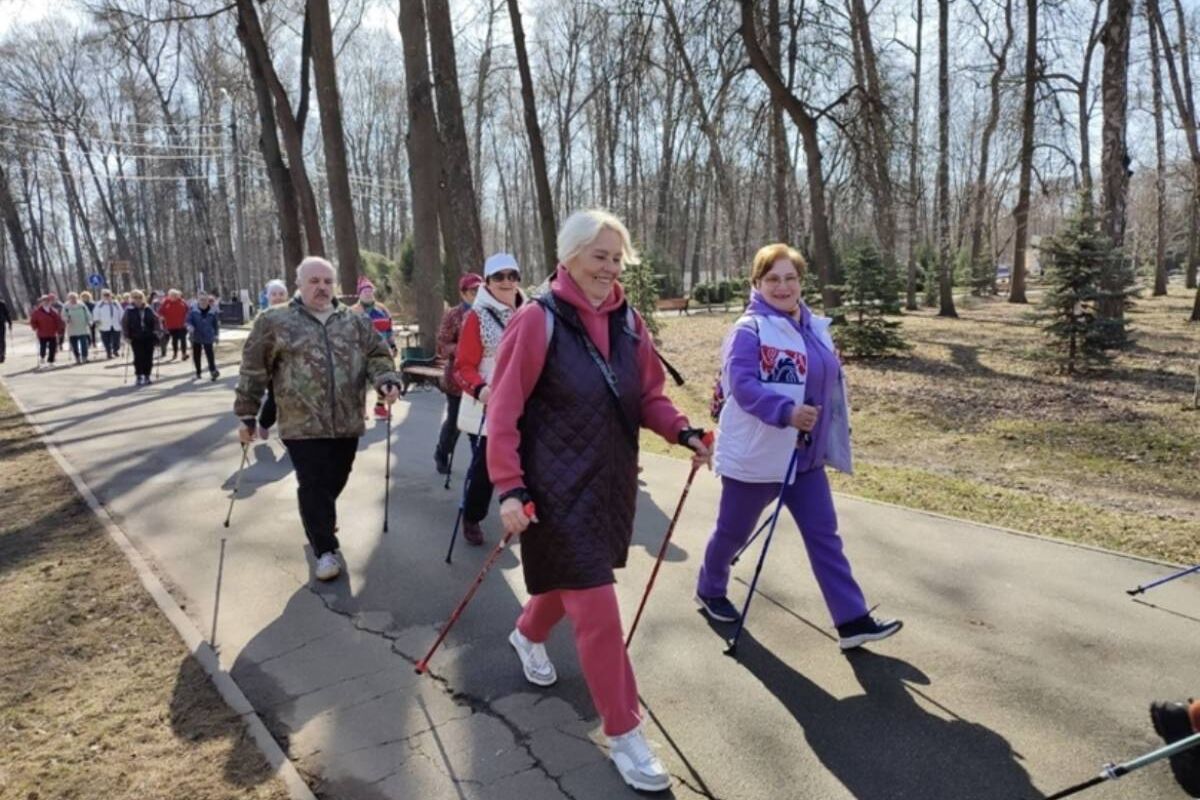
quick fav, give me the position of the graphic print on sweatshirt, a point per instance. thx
(780, 365)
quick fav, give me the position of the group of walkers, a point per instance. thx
(552, 391)
(146, 323)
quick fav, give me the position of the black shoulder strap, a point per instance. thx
(492, 313)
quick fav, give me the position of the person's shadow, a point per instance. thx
(881, 744)
(263, 467)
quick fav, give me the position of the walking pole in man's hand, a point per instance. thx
(237, 483)
(125, 375)
(707, 440)
(423, 664)
(1113, 771)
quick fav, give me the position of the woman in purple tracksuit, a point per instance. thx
(782, 379)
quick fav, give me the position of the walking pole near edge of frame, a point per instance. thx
(423, 665)
(125, 376)
(662, 551)
(462, 502)
(1112, 772)
(806, 437)
(237, 483)
(450, 464)
(1148, 586)
(731, 650)
(387, 472)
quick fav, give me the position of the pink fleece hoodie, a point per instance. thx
(519, 364)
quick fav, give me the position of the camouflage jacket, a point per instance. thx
(320, 372)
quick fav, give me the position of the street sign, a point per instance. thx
(95, 281)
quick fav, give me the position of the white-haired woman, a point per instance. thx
(277, 295)
(576, 377)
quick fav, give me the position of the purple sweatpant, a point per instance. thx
(811, 504)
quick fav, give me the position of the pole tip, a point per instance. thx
(1133, 592)
(421, 667)
(731, 650)
(226, 523)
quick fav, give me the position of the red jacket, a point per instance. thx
(173, 312)
(46, 323)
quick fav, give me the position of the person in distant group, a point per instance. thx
(205, 329)
(5, 319)
(141, 327)
(276, 292)
(447, 347)
(78, 320)
(85, 297)
(57, 306)
(381, 321)
(47, 325)
(107, 317)
(173, 312)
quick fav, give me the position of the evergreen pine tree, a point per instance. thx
(1075, 259)
(866, 332)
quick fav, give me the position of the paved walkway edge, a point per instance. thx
(201, 650)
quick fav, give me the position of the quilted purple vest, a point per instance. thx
(580, 459)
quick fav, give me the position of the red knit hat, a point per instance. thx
(469, 281)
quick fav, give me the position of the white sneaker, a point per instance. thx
(636, 762)
(328, 567)
(538, 669)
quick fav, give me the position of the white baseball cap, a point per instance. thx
(498, 263)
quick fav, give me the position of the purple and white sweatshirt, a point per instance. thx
(771, 362)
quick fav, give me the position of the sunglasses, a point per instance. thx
(506, 275)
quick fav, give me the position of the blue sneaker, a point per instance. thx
(718, 608)
(866, 628)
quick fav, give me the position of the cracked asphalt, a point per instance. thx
(1023, 667)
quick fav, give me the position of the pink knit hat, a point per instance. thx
(365, 283)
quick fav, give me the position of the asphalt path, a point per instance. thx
(1022, 668)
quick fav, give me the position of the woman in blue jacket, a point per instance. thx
(785, 391)
(204, 327)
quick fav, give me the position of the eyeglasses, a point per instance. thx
(507, 275)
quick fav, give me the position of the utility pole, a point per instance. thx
(243, 266)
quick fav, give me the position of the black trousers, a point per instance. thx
(208, 353)
(47, 348)
(448, 438)
(143, 355)
(112, 342)
(479, 487)
(322, 469)
(178, 342)
(3, 341)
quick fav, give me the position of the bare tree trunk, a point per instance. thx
(340, 200)
(914, 157)
(879, 137)
(456, 158)
(1114, 158)
(945, 265)
(1160, 169)
(979, 202)
(780, 157)
(16, 236)
(806, 123)
(537, 147)
(282, 186)
(724, 182)
(1021, 212)
(423, 158)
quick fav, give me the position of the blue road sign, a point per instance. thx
(95, 280)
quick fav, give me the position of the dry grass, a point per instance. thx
(98, 697)
(973, 423)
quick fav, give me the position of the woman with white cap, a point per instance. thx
(495, 303)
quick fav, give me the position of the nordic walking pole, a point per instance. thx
(237, 483)
(662, 551)
(125, 376)
(387, 472)
(762, 556)
(462, 502)
(1148, 586)
(423, 664)
(1113, 771)
(450, 467)
(806, 437)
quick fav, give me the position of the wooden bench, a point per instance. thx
(679, 304)
(424, 372)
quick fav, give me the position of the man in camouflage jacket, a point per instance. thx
(320, 358)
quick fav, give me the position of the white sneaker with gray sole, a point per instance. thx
(639, 767)
(538, 669)
(328, 567)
